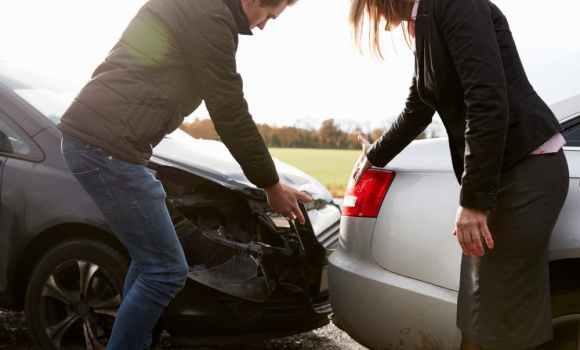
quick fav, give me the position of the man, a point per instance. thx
(173, 55)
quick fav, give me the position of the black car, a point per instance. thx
(253, 274)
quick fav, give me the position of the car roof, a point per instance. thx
(567, 107)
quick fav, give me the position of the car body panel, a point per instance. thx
(381, 309)
(401, 269)
(565, 108)
(26, 212)
(212, 160)
(403, 227)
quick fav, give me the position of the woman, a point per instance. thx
(505, 146)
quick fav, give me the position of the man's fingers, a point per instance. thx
(303, 196)
(296, 212)
(300, 218)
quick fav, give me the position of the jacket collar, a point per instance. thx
(420, 23)
(420, 28)
(239, 16)
(423, 7)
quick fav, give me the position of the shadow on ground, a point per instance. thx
(14, 335)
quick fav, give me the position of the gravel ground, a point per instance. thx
(14, 336)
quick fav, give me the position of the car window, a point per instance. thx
(15, 143)
(572, 135)
(11, 142)
(51, 96)
(51, 103)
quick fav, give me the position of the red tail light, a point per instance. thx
(366, 198)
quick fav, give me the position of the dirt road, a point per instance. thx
(14, 335)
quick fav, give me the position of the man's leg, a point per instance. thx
(133, 203)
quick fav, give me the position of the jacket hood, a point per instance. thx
(213, 161)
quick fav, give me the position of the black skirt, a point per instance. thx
(504, 296)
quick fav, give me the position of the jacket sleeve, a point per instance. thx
(413, 120)
(468, 29)
(210, 47)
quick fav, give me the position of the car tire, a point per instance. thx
(565, 290)
(74, 293)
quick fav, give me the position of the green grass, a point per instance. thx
(329, 166)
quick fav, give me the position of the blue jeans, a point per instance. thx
(133, 204)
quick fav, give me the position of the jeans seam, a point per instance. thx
(110, 161)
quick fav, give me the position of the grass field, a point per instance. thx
(329, 166)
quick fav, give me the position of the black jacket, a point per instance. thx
(469, 71)
(173, 55)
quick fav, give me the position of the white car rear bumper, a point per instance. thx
(383, 310)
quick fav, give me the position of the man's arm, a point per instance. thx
(211, 52)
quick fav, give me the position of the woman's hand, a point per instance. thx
(282, 199)
(362, 164)
(470, 225)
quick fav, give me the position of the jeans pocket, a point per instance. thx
(93, 182)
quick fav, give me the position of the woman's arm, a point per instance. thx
(413, 120)
(468, 29)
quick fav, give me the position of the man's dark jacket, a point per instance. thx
(173, 55)
(469, 71)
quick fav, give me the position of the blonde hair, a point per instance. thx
(382, 15)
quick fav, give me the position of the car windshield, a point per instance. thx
(49, 96)
(51, 103)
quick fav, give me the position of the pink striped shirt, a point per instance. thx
(553, 145)
(415, 9)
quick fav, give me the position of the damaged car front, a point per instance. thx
(263, 274)
(253, 274)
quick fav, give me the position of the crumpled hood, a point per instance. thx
(213, 161)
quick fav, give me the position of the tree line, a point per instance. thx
(330, 135)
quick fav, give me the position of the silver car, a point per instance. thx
(395, 275)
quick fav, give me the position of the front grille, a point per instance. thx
(280, 305)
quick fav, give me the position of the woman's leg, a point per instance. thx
(466, 344)
(504, 296)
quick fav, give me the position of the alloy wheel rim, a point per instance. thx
(78, 305)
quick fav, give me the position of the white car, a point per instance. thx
(395, 275)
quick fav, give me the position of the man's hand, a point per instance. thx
(470, 225)
(362, 164)
(282, 199)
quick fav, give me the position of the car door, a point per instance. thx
(5, 148)
(15, 147)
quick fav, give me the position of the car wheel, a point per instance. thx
(565, 312)
(74, 293)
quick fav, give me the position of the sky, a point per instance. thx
(302, 68)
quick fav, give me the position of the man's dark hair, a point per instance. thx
(265, 3)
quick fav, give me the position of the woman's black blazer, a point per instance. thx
(467, 68)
